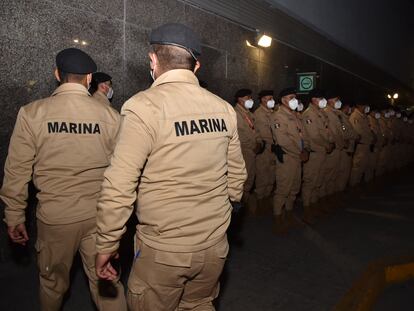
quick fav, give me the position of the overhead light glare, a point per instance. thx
(76, 40)
(249, 44)
(265, 41)
(389, 96)
(395, 96)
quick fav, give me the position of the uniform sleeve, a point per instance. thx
(236, 174)
(118, 193)
(247, 140)
(18, 171)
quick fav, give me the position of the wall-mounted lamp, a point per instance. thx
(265, 41)
(249, 44)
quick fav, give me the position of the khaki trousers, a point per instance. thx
(382, 161)
(330, 171)
(166, 281)
(56, 246)
(250, 161)
(265, 173)
(312, 178)
(345, 165)
(288, 178)
(359, 164)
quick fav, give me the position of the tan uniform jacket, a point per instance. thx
(315, 129)
(385, 131)
(376, 129)
(65, 141)
(361, 125)
(348, 132)
(336, 128)
(246, 126)
(263, 122)
(178, 153)
(288, 132)
(101, 97)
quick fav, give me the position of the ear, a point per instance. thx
(197, 66)
(88, 78)
(57, 75)
(154, 59)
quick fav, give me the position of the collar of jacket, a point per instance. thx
(71, 88)
(176, 75)
(103, 96)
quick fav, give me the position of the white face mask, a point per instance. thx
(387, 115)
(377, 116)
(349, 110)
(248, 104)
(405, 119)
(367, 109)
(392, 113)
(322, 103)
(270, 104)
(293, 103)
(338, 104)
(300, 107)
(110, 93)
(398, 115)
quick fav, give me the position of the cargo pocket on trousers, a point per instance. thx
(136, 295)
(42, 258)
(222, 249)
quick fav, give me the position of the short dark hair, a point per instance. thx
(171, 57)
(70, 77)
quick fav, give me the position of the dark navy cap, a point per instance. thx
(287, 91)
(242, 93)
(332, 94)
(264, 93)
(177, 35)
(100, 77)
(73, 60)
(316, 93)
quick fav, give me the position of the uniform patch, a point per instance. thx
(277, 125)
(308, 121)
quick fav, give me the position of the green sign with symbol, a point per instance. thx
(306, 82)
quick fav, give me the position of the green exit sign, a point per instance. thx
(306, 82)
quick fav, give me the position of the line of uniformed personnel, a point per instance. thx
(317, 152)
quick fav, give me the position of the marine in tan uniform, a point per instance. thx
(359, 121)
(316, 132)
(290, 152)
(266, 161)
(102, 87)
(350, 138)
(250, 141)
(386, 136)
(64, 142)
(331, 166)
(178, 154)
(373, 162)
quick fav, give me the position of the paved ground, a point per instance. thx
(309, 269)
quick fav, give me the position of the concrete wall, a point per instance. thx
(116, 33)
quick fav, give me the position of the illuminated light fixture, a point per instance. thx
(76, 40)
(265, 41)
(395, 96)
(84, 43)
(249, 44)
(389, 96)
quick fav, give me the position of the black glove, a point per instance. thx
(278, 151)
(237, 206)
(371, 147)
(262, 149)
